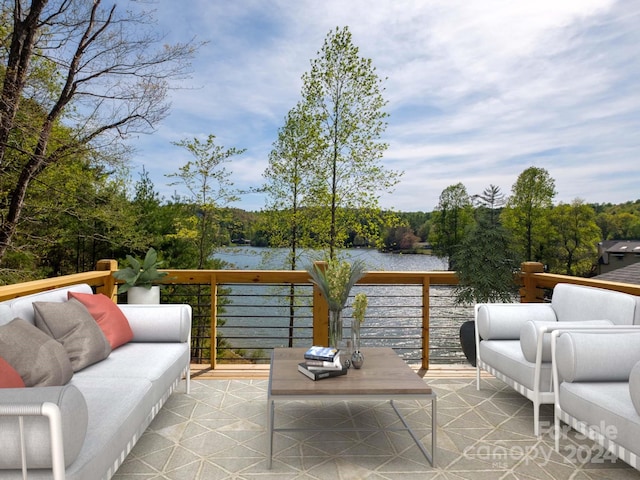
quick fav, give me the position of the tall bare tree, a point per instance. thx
(100, 70)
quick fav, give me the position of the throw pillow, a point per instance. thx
(108, 315)
(39, 359)
(72, 325)
(9, 378)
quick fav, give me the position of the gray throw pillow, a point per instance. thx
(71, 324)
(40, 360)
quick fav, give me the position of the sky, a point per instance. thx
(477, 90)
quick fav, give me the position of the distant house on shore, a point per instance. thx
(616, 254)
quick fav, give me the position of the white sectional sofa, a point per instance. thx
(84, 427)
(513, 340)
(597, 389)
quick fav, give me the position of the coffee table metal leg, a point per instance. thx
(270, 420)
(434, 429)
(429, 456)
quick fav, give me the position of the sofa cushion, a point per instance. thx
(529, 336)
(504, 321)
(606, 407)
(22, 307)
(108, 315)
(6, 314)
(159, 363)
(73, 326)
(505, 357)
(39, 359)
(120, 409)
(586, 357)
(9, 378)
(634, 386)
(74, 413)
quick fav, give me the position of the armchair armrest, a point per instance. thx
(159, 323)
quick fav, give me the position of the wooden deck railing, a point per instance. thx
(533, 280)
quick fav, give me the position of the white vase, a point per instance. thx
(141, 295)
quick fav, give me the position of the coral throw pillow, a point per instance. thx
(109, 317)
(9, 378)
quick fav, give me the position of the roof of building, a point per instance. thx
(629, 246)
(628, 274)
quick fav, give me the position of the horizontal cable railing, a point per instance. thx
(238, 315)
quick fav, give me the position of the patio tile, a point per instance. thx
(219, 432)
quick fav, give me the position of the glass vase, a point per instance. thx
(335, 328)
(357, 359)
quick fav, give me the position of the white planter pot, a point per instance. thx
(141, 295)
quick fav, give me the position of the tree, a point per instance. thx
(100, 72)
(491, 199)
(576, 238)
(207, 180)
(290, 219)
(343, 96)
(450, 219)
(486, 262)
(527, 210)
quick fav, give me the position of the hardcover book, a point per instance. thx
(320, 374)
(326, 354)
(324, 365)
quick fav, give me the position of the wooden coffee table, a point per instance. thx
(384, 376)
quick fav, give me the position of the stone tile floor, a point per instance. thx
(219, 432)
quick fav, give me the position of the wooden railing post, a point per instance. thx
(530, 293)
(109, 288)
(425, 322)
(320, 313)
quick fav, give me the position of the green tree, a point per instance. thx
(100, 71)
(289, 216)
(576, 236)
(526, 214)
(451, 218)
(486, 262)
(207, 180)
(342, 94)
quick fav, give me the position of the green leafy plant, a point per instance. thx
(359, 307)
(140, 273)
(335, 281)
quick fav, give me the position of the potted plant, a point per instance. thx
(139, 278)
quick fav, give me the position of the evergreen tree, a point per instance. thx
(486, 263)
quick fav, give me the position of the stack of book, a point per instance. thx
(322, 362)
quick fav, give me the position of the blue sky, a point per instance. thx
(477, 90)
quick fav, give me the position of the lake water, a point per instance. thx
(246, 258)
(257, 316)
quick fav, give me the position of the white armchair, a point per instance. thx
(513, 340)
